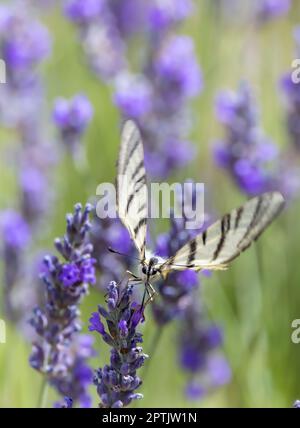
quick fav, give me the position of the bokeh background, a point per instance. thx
(256, 300)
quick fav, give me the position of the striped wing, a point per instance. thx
(227, 238)
(132, 193)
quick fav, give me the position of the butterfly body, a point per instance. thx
(212, 249)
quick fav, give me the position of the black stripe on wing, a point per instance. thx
(225, 227)
(139, 167)
(142, 222)
(238, 217)
(131, 151)
(134, 193)
(257, 214)
(192, 252)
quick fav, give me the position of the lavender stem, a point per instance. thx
(43, 394)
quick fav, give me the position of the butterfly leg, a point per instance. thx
(132, 276)
(149, 290)
(151, 293)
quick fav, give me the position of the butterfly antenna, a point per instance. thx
(111, 250)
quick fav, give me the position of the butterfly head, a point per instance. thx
(150, 267)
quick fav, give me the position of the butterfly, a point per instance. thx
(212, 249)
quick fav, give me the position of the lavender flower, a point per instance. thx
(24, 44)
(74, 375)
(15, 239)
(135, 104)
(296, 405)
(289, 159)
(175, 291)
(170, 78)
(176, 71)
(164, 14)
(110, 233)
(256, 11)
(199, 343)
(270, 9)
(60, 353)
(16, 234)
(291, 90)
(156, 95)
(71, 118)
(66, 403)
(84, 12)
(100, 37)
(246, 153)
(179, 299)
(117, 382)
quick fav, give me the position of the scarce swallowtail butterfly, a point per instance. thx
(212, 249)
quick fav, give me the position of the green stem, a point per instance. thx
(43, 394)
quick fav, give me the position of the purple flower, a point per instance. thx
(194, 391)
(100, 35)
(74, 114)
(28, 41)
(245, 152)
(291, 89)
(133, 95)
(199, 343)
(96, 324)
(270, 9)
(289, 177)
(83, 11)
(72, 118)
(165, 77)
(192, 360)
(33, 185)
(188, 278)
(117, 382)
(176, 290)
(15, 230)
(88, 271)
(296, 405)
(164, 13)
(219, 370)
(178, 153)
(176, 69)
(69, 274)
(24, 43)
(60, 352)
(130, 16)
(179, 299)
(67, 403)
(110, 233)
(74, 375)
(170, 156)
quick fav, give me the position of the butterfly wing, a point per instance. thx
(132, 192)
(227, 238)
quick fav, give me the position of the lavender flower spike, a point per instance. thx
(245, 152)
(67, 403)
(271, 9)
(71, 118)
(117, 382)
(61, 352)
(296, 405)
